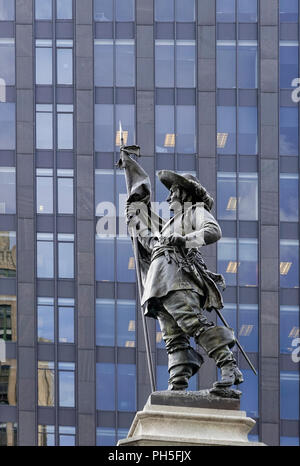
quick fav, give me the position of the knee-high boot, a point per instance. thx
(182, 365)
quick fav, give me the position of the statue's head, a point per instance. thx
(184, 188)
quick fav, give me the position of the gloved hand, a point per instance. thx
(176, 240)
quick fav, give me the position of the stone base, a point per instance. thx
(190, 419)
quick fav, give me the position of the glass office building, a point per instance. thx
(203, 86)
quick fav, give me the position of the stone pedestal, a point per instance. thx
(190, 419)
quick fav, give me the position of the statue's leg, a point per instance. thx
(183, 361)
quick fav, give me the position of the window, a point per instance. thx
(247, 202)
(288, 63)
(288, 11)
(65, 191)
(245, 267)
(8, 318)
(104, 62)
(247, 11)
(247, 64)
(289, 395)
(44, 191)
(104, 10)
(183, 138)
(67, 436)
(65, 255)
(7, 61)
(105, 322)
(126, 391)
(7, 10)
(8, 251)
(44, 126)
(8, 382)
(7, 126)
(106, 436)
(247, 125)
(43, 9)
(226, 64)
(105, 139)
(64, 53)
(64, 126)
(164, 63)
(66, 320)
(43, 62)
(125, 261)
(185, 63)
(249, 402)
(46, 436)
(184, 11)
(226, 128)
(105, 386)
(289, 263)
(126, 323)
(247, 321)
(289, 441)
(7, 190)
(66, 372)
(289, 327)
(8, 434)
(45, 310)
(289, 204)
(46, 387)
(125, 63)
(226, 11)
(105, 254)
(288, 143)
(45, 259)
(64, 9)
(180, 53)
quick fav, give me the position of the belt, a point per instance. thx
(166, 250)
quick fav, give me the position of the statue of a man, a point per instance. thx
(177, 284)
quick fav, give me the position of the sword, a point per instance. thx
(136, 151)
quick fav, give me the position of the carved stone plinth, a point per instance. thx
(190, 418)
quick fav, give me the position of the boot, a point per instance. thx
(230, 373)
(179, 377)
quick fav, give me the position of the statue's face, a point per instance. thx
(174, 198)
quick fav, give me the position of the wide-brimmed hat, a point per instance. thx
(189, 183)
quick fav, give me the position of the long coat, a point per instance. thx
(165, 268)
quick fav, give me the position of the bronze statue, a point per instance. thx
(177, 286)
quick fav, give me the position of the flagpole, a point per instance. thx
(139, 281)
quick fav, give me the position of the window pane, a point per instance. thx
(66, 260)
(185, 10)
(125, 114)
(288, 144)
(289, 327)
(45, 323)
(226, 11)
(164, 63)
(103, 10)
(248, 266)
(104, 187)
(65, 131)
(185, 63)
(105, 322)
(64, 66)
(162, 377)
(126, 323)
(289, 441)
(104, 140)
(44, 131)
(7, 10)
(105, 386)
(288, 63)
(46, 386)
(7, 190)
(66, 324)
(44, 195)
(43, 9)
(8, 378)
(289, 395)
(126, 387)
(247, 64)
(125, 10)
(226, 196)
(105, 254)
(249, 400)
(64, 9)
(289, 204)
(164, 10)
(288, 11)
(186, 129)
(106, 436)
(65, 195)
(227, 262)
(247, 130)
(8, 252)
(248, 196)
(165, 131)
(104, 63)
(66, 388)
(7, 61)
(289, 263)
(8, 318)
(46, 437)
(7, 126)
(226, 124)
(247, 11)
(125, 63)
(248, 327)
(125, 261)
(45, 259)
(43, 66)
(226, 64)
